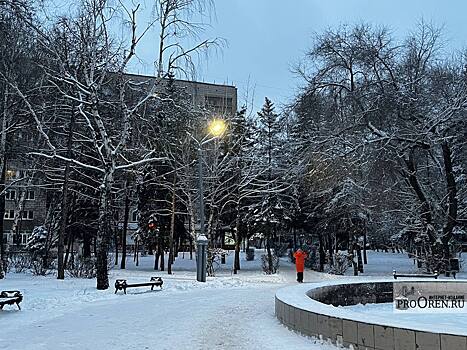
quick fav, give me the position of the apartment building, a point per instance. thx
(26, 202)
(217, 98)
(25, 205)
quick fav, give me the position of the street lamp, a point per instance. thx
(216, 128)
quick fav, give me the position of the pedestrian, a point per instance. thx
(300, 257)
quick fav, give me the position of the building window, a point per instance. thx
(219, 104)
(10, 195)
(134, 216)
(10, 174)
(9, 214)
(30, 195)
(27, 215)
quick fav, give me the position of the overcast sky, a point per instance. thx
(265, 37)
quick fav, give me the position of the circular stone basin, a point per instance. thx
(454, 322)
(324, 310)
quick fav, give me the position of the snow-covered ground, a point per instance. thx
(227, 312)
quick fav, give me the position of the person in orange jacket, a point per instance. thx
(300, 257)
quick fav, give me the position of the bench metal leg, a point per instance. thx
(19, 307)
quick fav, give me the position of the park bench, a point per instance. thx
(10, 297)
(416, 275)
(123, 285)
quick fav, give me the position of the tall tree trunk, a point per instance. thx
(157, 255)
(451, 189)
(191, 247)
(136, 255)
(162, 257)
(87, 241)
(126, 215)
(359, 258)
(67, 252)
(64, 221)
(426, 213)
(237, 244)
(365, 258)
(268, 249)
(351, 250)
(322, 254)
(104, 232)
(116, 246)
(172, 229)
(330, 250)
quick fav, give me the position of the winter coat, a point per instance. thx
(300, 257)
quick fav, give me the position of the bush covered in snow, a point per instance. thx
(19, 262)
(82, 267)
(37, 248)
(265, 264)
(340, 265)
(37, 241)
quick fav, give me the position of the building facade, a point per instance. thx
(25, 204)
(217, 98)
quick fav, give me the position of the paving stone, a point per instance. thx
(349, 330)
(384, 337)
(404, 339)
(452, 342)
(427, 341)
(366, 335)
(313, 324)
(323, 326)
(335, 328)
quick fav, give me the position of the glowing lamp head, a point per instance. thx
(217, 127)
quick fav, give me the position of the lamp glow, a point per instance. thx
(217, 127)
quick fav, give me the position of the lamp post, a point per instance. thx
(216, 128)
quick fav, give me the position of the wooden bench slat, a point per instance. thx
(121, 284)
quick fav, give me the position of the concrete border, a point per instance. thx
(300, 309)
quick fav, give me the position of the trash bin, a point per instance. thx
(454, 264)
(250, 254)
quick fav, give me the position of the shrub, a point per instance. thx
(19, 262)
(42, 267)
(269, 270)
(341, 264)
(82, 267)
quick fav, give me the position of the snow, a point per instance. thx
(227, 312)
